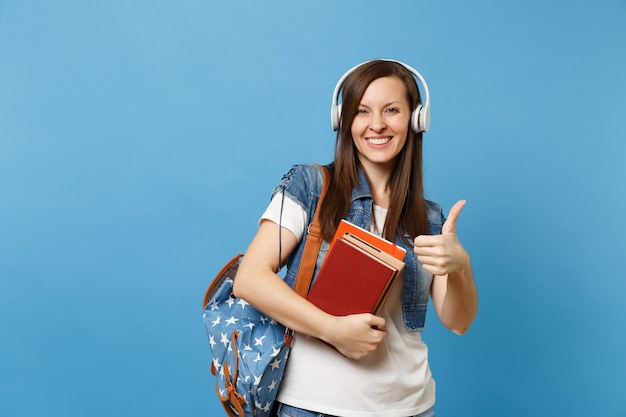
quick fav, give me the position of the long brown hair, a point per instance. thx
(407, 209)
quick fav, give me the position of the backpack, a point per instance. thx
(250, 350)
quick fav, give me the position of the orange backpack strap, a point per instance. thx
(312, 244)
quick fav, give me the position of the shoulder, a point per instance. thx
(308, 173)
(435, 216)
(302, 183)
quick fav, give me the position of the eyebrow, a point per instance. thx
(391, 103)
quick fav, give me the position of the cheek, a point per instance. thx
(357, 127)
(356, 134)
(402, 130)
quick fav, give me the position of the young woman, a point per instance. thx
(376, 183)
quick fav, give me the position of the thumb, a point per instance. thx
(450, 225)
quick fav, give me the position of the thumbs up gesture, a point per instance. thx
(443, 254)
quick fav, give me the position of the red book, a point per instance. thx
(355, 278)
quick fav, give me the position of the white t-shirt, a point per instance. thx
(393, 381)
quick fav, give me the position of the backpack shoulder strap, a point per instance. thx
(312, 244)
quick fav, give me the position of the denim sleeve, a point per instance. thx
(436, 218)
(303, 185)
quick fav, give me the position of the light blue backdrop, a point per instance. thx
(139, 142)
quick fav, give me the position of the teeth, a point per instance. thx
(378, 141)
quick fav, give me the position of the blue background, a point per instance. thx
(140, 140)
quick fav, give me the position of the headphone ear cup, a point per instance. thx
(420, 119)
(416, 119)
(424, 118)
(335, 116)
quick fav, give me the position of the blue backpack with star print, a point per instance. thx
(249, 349)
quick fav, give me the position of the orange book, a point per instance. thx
(354, 278)
(346, 227)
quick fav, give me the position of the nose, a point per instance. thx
(377, 123)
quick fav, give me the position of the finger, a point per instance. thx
(434, 260)
(434, 270)
(425, 241)
(382, 329)
(376, 320)
(429, 252)
(450, 225)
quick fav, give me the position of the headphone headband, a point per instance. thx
(420, 117)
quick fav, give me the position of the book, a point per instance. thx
(369, 237)
(356, 277)
(381, 254)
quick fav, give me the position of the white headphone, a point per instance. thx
(420, 118)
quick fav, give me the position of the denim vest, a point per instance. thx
(303, 184)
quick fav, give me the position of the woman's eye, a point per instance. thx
(393, 110)
(361, 111)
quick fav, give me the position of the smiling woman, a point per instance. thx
(376, 183)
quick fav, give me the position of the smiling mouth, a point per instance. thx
(378, 141)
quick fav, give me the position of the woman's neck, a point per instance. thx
(378, 176)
